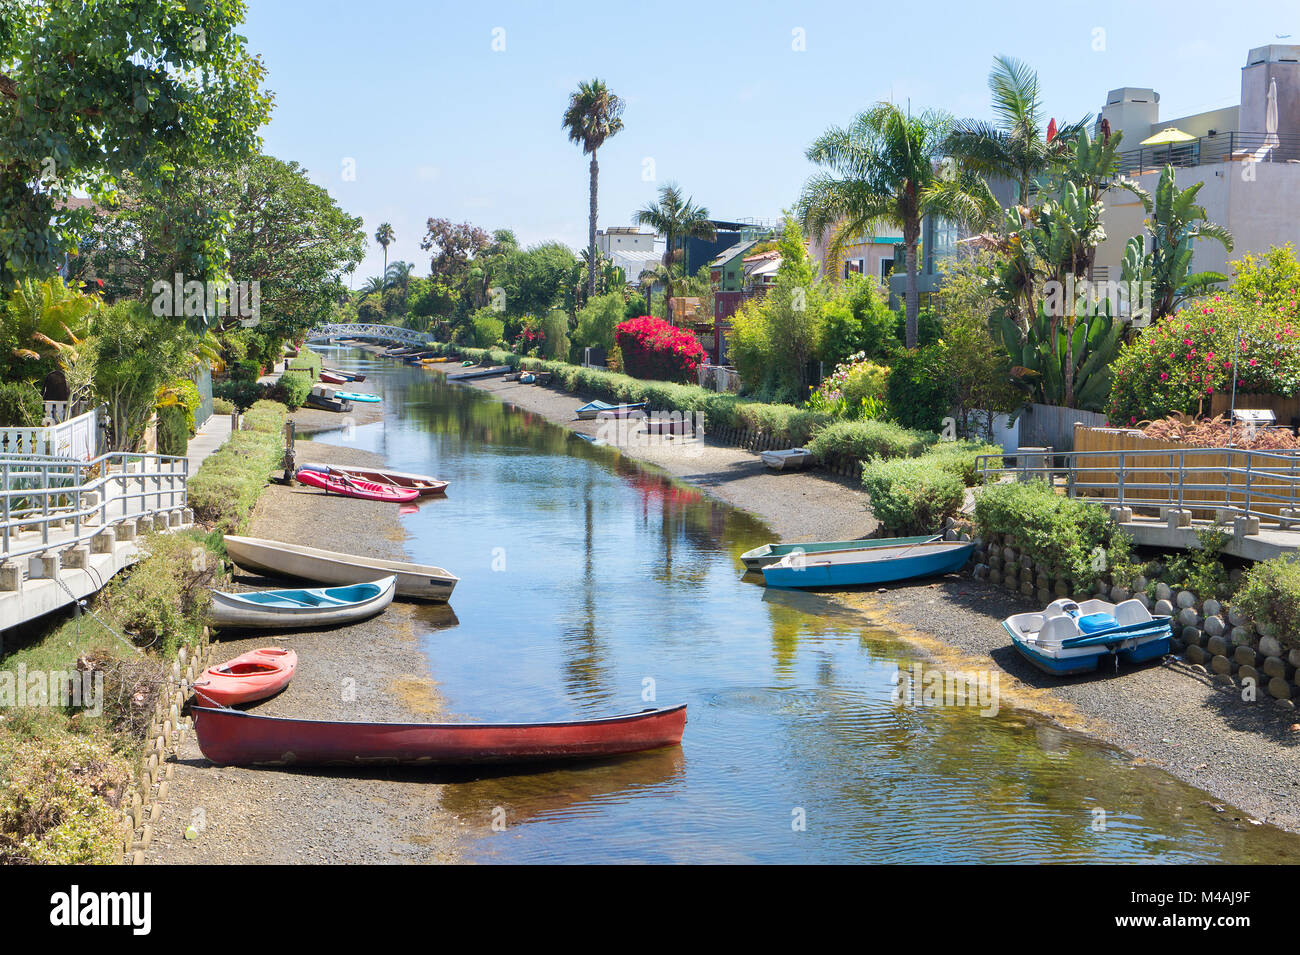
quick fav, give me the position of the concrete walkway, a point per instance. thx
(212, 435)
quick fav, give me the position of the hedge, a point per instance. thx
(869, 439)
(1270, 595)
(293, 387)
(173, 430)
(1061, 535)
(912, 495)
(228, 484)
(307, 361)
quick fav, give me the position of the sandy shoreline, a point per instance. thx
(1172, 716)
(372, 670)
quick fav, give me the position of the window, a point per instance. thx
(886, 269)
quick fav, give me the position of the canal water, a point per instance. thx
(589, 583)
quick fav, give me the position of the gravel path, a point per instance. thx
(373, 670)
(1172, 716)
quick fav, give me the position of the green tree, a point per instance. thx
(594, 115)
(1271, 279)
(675, 217)
(881, 170)
(89, 90)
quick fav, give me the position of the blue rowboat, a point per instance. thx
(760, 557)
(312, 607)
(1069, 637)
(875, 565)
(592, 408)
(357, 397)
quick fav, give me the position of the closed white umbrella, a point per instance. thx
(1270, 115)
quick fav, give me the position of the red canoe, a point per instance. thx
(351, 487)
(331, 378)
(253, 676)
(235, 738)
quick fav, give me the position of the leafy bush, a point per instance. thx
(20, 405)
(173, 430)
(222, 405)
(597, 321)
(1060, 534)
(652, 348)
(958, 457)
(920, 394)
(868, 439)
(858, 319)
(1200, 569)
(912, 495)
(485, 329)
(1178, 364)
(60, 802)
(293, 388)
(1270, 595)
(241, 394)
(228, 484)
(246, 369)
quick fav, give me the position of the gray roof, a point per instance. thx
(731, 251)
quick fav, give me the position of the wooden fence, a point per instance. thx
(1166, 472)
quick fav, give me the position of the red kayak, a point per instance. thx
(331, 378)
(253, 676)
(235, 738)
(338, 483)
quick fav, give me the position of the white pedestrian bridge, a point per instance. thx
(393, 334)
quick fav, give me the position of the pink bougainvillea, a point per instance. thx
(653, 349)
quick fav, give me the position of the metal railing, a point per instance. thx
(65, 502)
(1235, 480)
(390, 333)
(1230, 146)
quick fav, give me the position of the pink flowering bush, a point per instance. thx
(1178, 365)
(655, 350)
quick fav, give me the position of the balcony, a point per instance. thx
(1221, 147)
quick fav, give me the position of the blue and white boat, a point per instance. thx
(875, 565)
(310, 607)
(593, 408)
(1069, 637)
(357, 396)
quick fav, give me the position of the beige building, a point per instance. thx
(1251, 173)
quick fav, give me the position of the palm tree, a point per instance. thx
(594, 115)
(881, 171)
(385, 235)
(675, 217)
(1014, 146)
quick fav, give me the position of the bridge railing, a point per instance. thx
(391, 333)
(65, 502)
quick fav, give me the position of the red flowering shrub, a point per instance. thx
(1178, 365)
(653, 349)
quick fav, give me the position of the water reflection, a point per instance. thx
(591, 585)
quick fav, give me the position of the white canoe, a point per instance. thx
(789, 460)
(315, 607)
(422, 581)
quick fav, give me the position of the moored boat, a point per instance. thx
(875, 565)
(593, 408)
(480, 373)
(422, 483)
(234, 738)
(360, 397)
(421, 581)
(330, 378)
(325, 400)
(314, 607)
(760, 557)
(1069, 637)
(333, 482)
(251, 676)
(346, 375)
(791, 459)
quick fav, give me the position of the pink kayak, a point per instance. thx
(336, 483)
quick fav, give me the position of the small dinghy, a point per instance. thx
(873, 565)
(317, 607)
(234, 738)
(255, 675)
(331, 378)
(333, 482)
(421, 483)
(360, 397)
(1069, 637)
(346, 375)
(422, 581)
(792, 459)
(528, 378)
(593, 408)
(760, 557)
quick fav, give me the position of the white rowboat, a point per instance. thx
(316, 607)
(421, 581)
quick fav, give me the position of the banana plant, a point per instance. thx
(1054, 360)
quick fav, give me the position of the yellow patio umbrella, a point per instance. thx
(1168, 137)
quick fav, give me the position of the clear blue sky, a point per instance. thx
(439, 124)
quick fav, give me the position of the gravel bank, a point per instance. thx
(373, 670)
(1172, 716)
